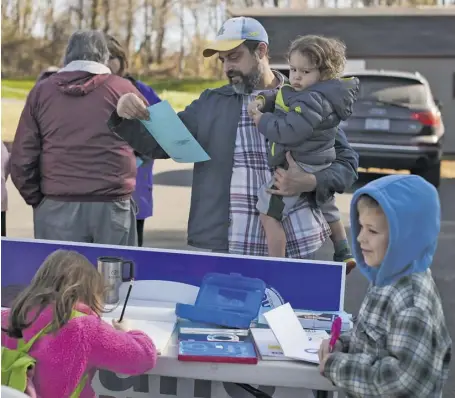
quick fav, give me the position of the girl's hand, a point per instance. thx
(124, 326)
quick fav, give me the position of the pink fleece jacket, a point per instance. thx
(84, 344)
(5, 173)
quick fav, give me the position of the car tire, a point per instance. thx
(431, 173)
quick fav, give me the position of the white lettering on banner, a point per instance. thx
(110, 385)
(272, 298)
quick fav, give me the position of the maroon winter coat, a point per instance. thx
(63, 148)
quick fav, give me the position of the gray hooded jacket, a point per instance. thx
(306, 122)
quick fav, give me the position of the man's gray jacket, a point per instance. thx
(213, 120)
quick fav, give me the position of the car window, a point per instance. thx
(390, 89)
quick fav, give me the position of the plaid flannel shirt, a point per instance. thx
(305, 228)
(400, 345)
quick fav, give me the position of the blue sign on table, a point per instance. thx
(314, 285)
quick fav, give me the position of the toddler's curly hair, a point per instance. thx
(326, 53)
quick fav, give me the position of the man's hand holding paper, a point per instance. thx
(130, 106)
(164, 125)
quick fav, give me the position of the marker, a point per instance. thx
(335, 332)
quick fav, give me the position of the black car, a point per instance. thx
(396, 123)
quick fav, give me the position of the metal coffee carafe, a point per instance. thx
(111, 270)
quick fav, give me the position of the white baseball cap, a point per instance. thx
(234, 32)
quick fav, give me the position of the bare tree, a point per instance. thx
(28, 18)
(5, 7)
(197, 39)
(80, 14)
(159, 24)
(106, 12)
(17, 17)
(49, 20)
(182, 38)
(94, 17)
(129, 24)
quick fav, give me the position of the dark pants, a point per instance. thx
(3, 223)
(140, 232)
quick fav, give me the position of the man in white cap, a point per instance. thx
(223, 215)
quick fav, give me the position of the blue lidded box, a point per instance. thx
(229, 300)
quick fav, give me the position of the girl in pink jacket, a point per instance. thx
(5, 173)
(76, 347)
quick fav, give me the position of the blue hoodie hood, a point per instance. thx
(413, 213)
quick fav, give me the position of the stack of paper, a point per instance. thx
(321, 320)
(294, 341)
(157, 323)
(269, 348)
(159, 332)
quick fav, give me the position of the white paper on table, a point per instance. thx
(141, 309)
(291, 336)
(157, 322)
(160, 332)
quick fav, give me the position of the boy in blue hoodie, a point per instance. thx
(400, 345)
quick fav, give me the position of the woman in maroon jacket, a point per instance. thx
(66, 163)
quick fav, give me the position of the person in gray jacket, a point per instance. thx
(304, 122)
(223, 215)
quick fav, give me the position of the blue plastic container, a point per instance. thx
(229, 300)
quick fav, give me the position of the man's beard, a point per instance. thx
(248, 82)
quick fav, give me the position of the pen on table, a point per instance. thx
(126, 300)
(335, 333)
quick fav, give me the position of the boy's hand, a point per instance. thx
(322, 364)
(257, 118)
(254, 110)
(324, 353)
(260, 103)
(254, 106)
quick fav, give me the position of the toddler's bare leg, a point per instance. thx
(338, 231)
(341, 245)
(276, 238)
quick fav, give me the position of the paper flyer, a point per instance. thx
(172, 135)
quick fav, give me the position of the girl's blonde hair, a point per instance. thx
(326, 53)
(64, 279)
